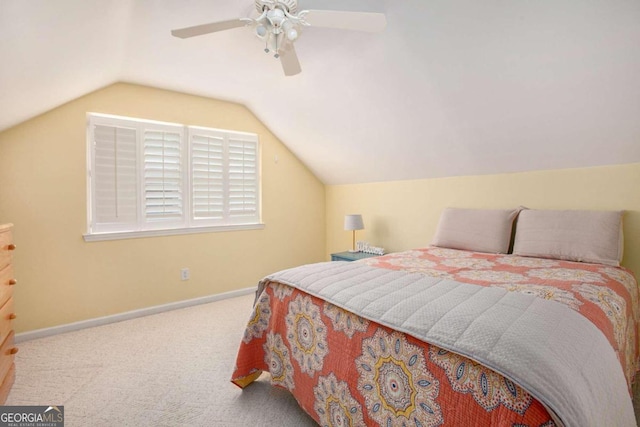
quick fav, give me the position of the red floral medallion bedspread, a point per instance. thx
(344, 370)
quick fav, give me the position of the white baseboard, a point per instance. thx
(69, 327)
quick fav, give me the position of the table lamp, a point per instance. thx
(353, 223)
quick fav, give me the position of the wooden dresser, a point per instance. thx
(7, 281)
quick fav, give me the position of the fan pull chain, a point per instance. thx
(276, 55)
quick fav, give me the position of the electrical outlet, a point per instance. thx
(184, 274)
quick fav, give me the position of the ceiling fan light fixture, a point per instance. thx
(261, 31)
(276, 16)
(290, 30)
(292, 34)
(274, 24)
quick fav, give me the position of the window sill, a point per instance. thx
(119, 235)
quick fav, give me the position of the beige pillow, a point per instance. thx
(478, 230)
(586, 236)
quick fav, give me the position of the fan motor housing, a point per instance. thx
(291, 6)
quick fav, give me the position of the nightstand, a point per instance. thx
(350, 256)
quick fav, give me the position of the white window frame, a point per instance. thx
(187, 224)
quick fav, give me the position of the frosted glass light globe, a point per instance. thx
(276, 16)
(292, 34)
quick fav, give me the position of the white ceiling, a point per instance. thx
(455, 87)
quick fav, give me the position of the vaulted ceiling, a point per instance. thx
(455, 87)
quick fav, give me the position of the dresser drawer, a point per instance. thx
(7, 281)
(6, 319)
(6, 248)
(5, 388)
(7, 352)
(7, 382)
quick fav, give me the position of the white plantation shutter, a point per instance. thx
(207, 176)
(145, 175)
(163, 175)
(224, 177)
(114, 177)
(243, 179)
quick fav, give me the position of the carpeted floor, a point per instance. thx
(168, 369)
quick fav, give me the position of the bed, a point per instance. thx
(457, 337)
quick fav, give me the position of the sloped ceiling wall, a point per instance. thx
(456, 87)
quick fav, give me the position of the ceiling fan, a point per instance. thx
(280, 23)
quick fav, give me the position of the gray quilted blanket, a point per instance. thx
(553, 352)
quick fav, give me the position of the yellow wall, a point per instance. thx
(62, 279)
(404, 214)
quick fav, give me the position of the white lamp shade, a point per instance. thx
(353, 222)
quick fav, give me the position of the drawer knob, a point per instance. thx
(14, 350)
(11, 247)
(12, 316)
(12, 281)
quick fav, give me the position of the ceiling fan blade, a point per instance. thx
(289, 61)
(345, 5)
(372, 22)
(213, 27)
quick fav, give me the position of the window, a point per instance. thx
(146, 176)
